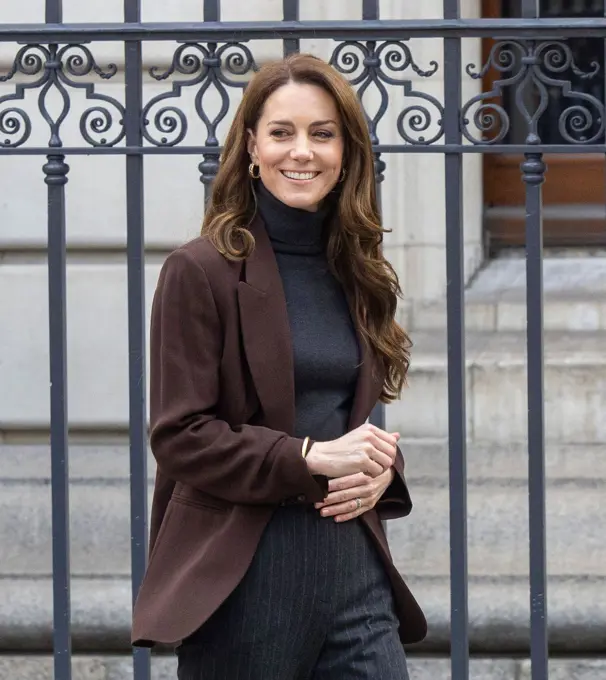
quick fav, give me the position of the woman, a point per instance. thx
(272, 338)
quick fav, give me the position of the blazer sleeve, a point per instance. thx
(243, 464)
(396, 501)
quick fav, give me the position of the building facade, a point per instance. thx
(414, 209)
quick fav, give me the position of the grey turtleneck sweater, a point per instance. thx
(325, 346)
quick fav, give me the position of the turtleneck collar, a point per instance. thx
(292, 230)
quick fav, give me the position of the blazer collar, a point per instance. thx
(268, 347)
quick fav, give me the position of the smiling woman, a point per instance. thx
(273, 336)
(298, 145)
(299, 91)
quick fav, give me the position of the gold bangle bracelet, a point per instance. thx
(304, 450)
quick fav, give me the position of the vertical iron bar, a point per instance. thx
(457, 425)
(212, 10)
(54, 11)
(530, 9)
(291, 13)
(370, 11)
(377, 415)
(55, 171)
(209, 167)
(56, 178)
(533, 169)
(135, 251)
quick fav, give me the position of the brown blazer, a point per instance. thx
(222, 414)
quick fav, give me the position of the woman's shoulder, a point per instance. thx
(200, 253)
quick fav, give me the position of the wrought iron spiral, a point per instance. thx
(529, 74)
(15, 127)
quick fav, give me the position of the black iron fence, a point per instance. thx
(533, 62)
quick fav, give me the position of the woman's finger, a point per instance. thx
(348, 482)
(351, 507)
(348, 516)
(389, 437)
(348, 510)
(383, 460)
(354, 486)
(374, 468)
(335, 497)
(386, 448)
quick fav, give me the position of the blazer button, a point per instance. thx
(302, 498)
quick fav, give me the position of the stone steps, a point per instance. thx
(575, 387)
(497, 517)
(497, 531)
(497, 525)
(112, 667)
(561, 312)
(498, 614)
(574, 296)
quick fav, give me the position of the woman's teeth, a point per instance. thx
(300, 175)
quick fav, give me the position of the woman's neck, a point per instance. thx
(292, 229)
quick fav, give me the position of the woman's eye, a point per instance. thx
(319, 134)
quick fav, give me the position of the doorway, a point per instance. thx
(574, 193)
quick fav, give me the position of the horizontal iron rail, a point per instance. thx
(513, 149)
(228, 31)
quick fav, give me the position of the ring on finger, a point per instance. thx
(358, 503)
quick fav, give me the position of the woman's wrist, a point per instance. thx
(313, 458)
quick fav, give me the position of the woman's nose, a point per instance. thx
(301, 149)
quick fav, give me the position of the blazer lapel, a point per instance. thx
(266, 333)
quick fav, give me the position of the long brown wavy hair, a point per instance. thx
(356, 234)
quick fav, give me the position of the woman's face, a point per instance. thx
(298, 145)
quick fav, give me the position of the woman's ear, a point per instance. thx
(251, 145)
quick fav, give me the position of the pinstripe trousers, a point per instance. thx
(315, 604)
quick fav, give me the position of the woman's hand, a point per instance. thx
(341, 502)
(367, 449)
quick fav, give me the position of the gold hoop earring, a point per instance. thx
(251, 171)
(343, 175)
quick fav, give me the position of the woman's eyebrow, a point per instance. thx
(314, 124)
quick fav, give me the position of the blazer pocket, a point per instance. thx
(201, 502)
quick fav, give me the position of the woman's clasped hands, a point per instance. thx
(360, 467)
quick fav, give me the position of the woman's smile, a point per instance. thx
(300, 176)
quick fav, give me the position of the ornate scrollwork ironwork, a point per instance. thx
(15, 123)
(208, 66)
(529, 69)
(366, 64)
(211, 67)
(55, 68)
(96, 120)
